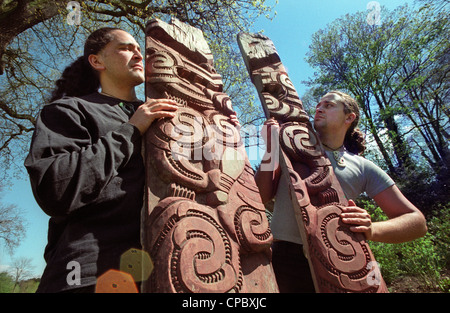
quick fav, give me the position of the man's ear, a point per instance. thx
(96, 62)
(350, 118)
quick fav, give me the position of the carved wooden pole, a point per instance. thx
(340, 260)
(204, 224)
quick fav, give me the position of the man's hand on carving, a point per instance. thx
(234, 120)
(359, 218)
(270, 130)
(151, 110)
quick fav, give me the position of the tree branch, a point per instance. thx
(12, 113)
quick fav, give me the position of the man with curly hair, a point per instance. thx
(336, 122)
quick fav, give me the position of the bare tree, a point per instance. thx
(21, 269)
(37, 43)
(12, 225)
(399, 73)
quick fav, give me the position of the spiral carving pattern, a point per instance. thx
(204, 223)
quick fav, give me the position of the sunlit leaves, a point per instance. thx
(398, 71)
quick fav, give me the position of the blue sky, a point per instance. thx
(291, 32)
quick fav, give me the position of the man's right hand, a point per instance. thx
(270, 130)
(152, 109)
(268, 174)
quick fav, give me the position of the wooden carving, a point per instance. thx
(340, 260)
(204, 224)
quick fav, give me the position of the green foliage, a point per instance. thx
(427, 258)
(7, 284)
(387, 259)
(439, 225)
(398, 71)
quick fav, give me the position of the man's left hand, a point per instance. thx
(359, 219)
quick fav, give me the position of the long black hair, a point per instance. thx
(79, 78)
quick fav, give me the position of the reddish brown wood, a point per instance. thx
(340, 260)
(204, 224)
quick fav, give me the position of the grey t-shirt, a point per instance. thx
(359, 175)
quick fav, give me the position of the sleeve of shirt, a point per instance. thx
(376, 179)
(67, 170)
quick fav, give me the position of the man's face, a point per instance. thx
(330, 114)
(122, 60)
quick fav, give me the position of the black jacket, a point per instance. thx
(87, 174)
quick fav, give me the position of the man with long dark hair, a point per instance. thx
(336, 120)
(85, 162)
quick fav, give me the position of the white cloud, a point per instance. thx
(4, 268)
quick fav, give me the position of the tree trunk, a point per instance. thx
(24, 15)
